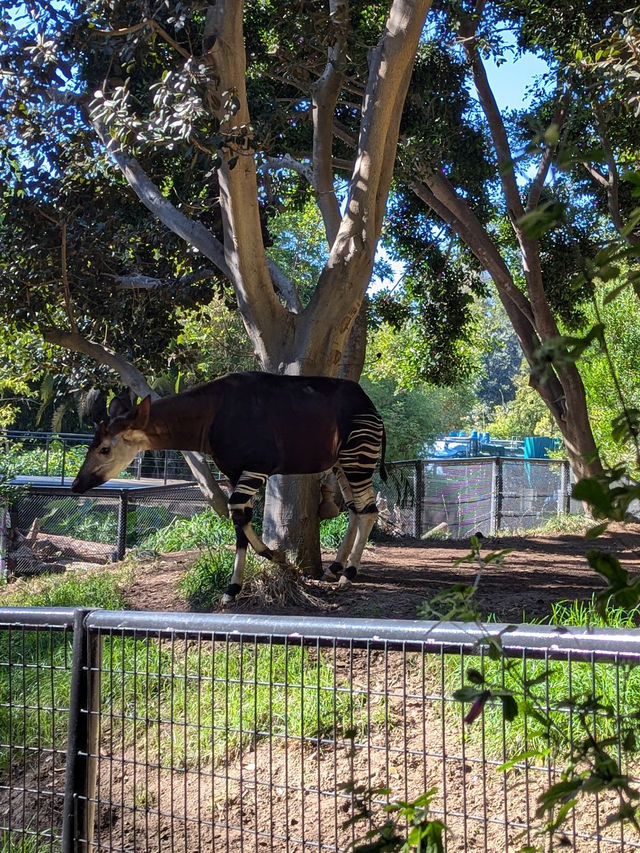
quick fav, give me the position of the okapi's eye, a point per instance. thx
(105, 451)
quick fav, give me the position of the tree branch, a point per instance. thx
(265, 318)
(153, 25)
(467, 36)
(324, 95)
(348, 269)
(291, 164)
(193, 232)
(547, 157)
(438, 193)
(544, 319)
(138, 281)
(65, 279)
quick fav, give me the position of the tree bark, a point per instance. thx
(562, 389)
(286, 338)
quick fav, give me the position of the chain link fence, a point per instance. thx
(43, 454)
(230, 732)
(47, 528)
(461, 497)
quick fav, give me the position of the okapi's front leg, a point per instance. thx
(241, 510)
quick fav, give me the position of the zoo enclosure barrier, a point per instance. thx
(48, 529)
(474, 495)
(166, 732)
(60, 455)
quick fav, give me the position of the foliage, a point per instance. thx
(206, 580)
(425, 835)
(500, 354)
(525, 415)
(102, 587)
(203, 530)
(621, 319)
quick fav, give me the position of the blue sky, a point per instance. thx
(510, 80)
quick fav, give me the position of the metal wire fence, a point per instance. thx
(48, 528)
(465, 496)
(230, 732)
(51, 528)
(45, 454)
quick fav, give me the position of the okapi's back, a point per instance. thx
(284, 424)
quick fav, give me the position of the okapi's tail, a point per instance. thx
(383, 447)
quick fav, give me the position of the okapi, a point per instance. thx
(254, 425)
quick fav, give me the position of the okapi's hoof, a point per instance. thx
(350, 573)
(230, 595)
(332, 572)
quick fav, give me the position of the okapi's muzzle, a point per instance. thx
(84, 482)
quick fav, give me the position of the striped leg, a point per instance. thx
(356, 463)
(241, 511)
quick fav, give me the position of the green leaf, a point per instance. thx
(609, 567)
(475, 676)
(522, 757)
(543, 218)
(509, 708)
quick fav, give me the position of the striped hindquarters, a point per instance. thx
(358, 457)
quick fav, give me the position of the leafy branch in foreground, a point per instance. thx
(581, 731)
(457, 602)
(424, 835)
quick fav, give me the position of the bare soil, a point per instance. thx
(398, 575)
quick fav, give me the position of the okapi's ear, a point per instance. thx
(139, 418)
(121, 404)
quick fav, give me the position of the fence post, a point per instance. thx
(564, 497)
(496, 495)
(418, 488)
(79, 806)
(123, 506)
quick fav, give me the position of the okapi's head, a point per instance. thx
(115, 444)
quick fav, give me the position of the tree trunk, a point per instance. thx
(291, 519)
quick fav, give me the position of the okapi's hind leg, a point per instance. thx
(241, 510)
(357, 489)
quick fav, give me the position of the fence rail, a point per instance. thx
(171, 732)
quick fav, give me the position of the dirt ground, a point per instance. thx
(397, 576)
(253, 791)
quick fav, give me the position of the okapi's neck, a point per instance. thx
(180, 423)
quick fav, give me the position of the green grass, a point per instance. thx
(240, 691)
(556, 525)
(27, 842)
(206, 580)
(599, 695)
(181, 699)
(35, 665)
(94, 588)
(204, 530)
(209, 530)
